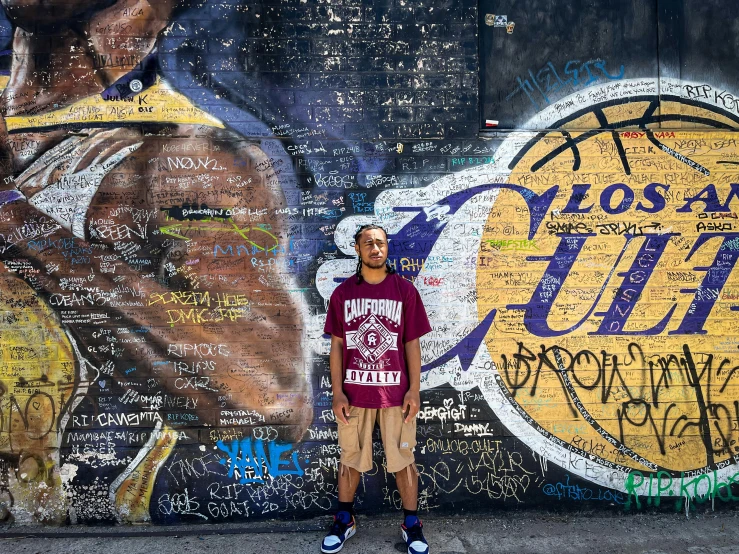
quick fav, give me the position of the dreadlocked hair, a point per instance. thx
(388, 268)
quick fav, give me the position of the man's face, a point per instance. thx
(372, 248)
(27, 13)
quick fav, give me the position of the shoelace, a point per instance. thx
(338, 527)
(414, 533)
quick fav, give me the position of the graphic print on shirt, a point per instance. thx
(372, 340)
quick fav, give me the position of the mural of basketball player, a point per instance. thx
(140, 247)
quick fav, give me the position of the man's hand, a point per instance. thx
(411, 404)
(341, 407)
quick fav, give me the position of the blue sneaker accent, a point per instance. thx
(413, 537)
(342, 529)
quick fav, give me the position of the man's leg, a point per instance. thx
(399, 440)
(407, 483)
(355, 440)
(344, 525)
(348, 483)
(412, 528)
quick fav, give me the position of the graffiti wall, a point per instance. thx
(181, 182)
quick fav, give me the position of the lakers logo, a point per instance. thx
(615, 314)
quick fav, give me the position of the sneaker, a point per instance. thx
(342, 529)
(413, 537)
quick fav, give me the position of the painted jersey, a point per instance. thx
(156, 104)
(375, 321)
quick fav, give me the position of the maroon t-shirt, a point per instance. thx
(375, 322)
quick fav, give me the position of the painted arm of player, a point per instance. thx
(213, 326)
(340, 403)
(412, 400)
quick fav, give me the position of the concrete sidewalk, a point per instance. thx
(515, 532)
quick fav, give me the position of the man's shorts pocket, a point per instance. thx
(407, 435)
(349, 435)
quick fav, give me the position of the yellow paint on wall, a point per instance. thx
(133, 496)
(157, 104)
(36, 372)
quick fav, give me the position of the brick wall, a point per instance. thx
(184, 220)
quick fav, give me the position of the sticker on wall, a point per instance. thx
(501, 20)
(489, 19)
(491, 123)
(509, 28)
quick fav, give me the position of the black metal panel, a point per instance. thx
(555, 48)
(708, 42)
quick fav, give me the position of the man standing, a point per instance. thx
(375, 320)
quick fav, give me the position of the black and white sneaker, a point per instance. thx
(343, 528)
(413, 537)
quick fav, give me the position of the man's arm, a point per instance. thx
(340, 403)
(412, 400)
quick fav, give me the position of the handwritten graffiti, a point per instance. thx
(179, 503)
(688, 488)
(547, 81)
(496, 475)
(249, 462)
(577, 493)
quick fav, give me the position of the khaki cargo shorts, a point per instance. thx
(398, 438)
